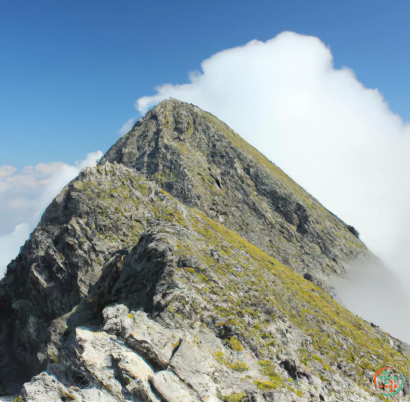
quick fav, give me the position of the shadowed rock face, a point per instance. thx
(207, 283)
(204, 164)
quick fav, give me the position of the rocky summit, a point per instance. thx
(187, 267)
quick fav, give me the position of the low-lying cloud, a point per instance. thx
(25, 194)
(335, 137)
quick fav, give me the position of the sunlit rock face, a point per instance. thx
(187, 267)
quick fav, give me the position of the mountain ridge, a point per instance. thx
(195, 141)
(127, 292)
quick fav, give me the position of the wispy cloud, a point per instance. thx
(127, 126)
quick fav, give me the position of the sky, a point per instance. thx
(70, 71)
(321, 87)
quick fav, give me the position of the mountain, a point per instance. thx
(187, 267)
(204, 164)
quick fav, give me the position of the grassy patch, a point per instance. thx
(235, 397)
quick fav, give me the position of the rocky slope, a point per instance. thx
(203, 163)
(186, 267)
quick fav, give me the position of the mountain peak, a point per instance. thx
(203, 163)
(186, 267)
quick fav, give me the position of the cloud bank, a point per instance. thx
(25, 194)
(335, 137)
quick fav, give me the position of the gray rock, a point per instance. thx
(188, 287)
(171, 389)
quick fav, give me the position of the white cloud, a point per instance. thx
(127, 126)
(62, 176)
(6, 171)
(46, 169)
(3, 187)
(377, 294)
(24, 196)
(10, 245)
(335, 137)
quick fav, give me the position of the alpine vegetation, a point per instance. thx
(186, 266)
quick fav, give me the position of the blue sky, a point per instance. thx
(70, 71)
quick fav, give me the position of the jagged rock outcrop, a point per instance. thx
(186, 267)
(203, 163)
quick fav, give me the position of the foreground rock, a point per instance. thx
(125, 292)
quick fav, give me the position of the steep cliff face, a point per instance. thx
(173, 271)
(204, 164)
